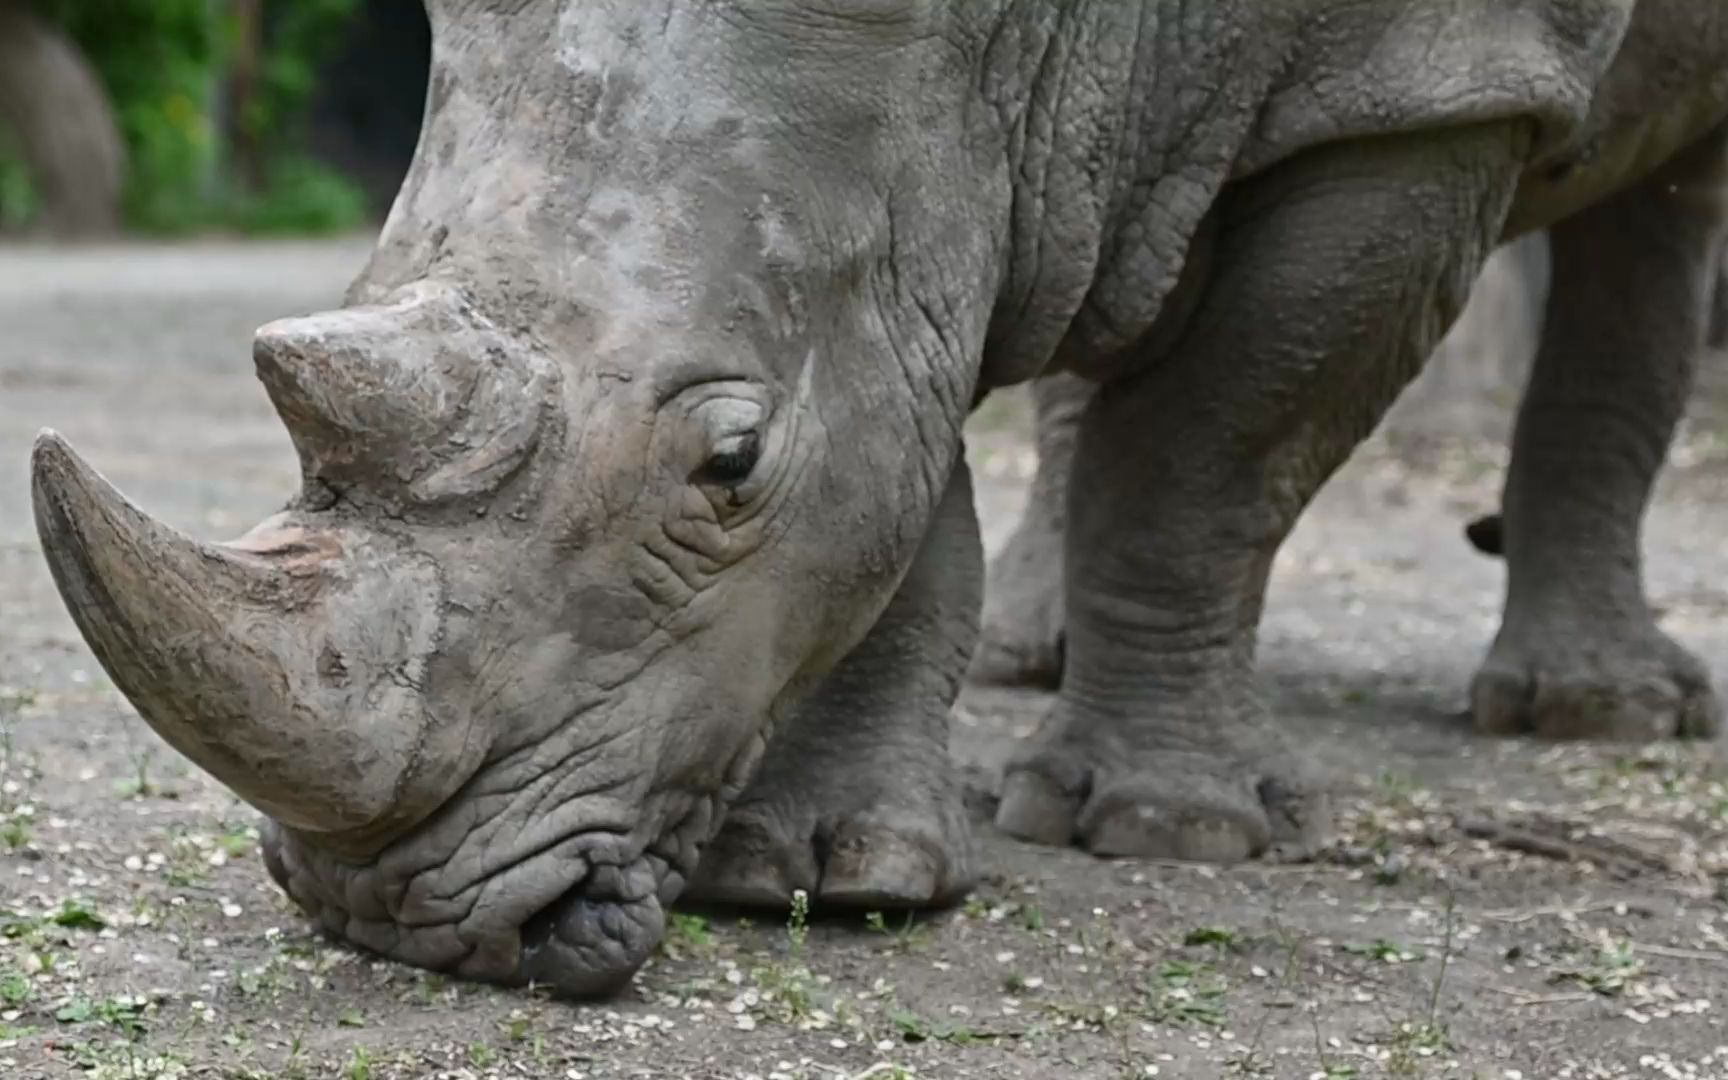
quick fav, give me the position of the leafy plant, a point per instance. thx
(359, 1064)
(798, 923)
(686, 935)
(1613, 967)
(908, 936)
(123, 1013)
(1224, 938)
(75, 916)
(1183, 993)
(913, 1028)
(1389, 952)
(14, 987)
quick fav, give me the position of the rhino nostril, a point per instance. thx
(332, 668)
(587, 944)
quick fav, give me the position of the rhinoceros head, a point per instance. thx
(631, 427)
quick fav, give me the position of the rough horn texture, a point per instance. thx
(659, 370)
(418, 400)
(349, 619)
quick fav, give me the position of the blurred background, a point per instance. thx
(173, 116)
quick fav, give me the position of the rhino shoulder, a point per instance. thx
(1367, 69)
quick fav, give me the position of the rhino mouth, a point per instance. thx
(578, 909)
(587, 941)
(593, 938)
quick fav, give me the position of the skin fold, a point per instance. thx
(636, 557)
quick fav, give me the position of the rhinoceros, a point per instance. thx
(636, 556)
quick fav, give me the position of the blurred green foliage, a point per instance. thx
(299, 196)
(17, 197)
(165, 64)
(157, 59)
(301, 34)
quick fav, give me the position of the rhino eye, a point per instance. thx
(732, 459)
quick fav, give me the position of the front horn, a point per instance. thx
(288, 664)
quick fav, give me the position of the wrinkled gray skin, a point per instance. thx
(1022, 638)
(634, 500)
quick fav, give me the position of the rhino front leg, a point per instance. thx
(857, 802)
(1021, 640)
(1579, 654)
(1331, 279)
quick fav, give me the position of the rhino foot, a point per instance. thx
(1221, 804)
(1579, 655)
(856, 849)
(857, 803)
(1021, 640)
(1579, 681)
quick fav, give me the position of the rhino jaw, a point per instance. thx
(287, 664)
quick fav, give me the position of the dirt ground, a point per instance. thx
(1494, 909)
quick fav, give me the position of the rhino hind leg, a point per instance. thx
(1331, 277)
(1021, 637)
(1579, 654)
(857, 802)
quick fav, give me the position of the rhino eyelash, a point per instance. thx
(677, 389)
(732, 465)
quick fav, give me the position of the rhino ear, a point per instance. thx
(418, 400)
